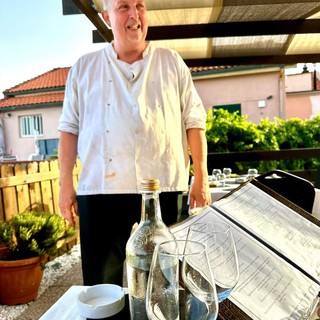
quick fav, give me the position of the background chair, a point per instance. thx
(296, 189)
(317, 181)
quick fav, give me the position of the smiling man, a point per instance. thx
(130, 112)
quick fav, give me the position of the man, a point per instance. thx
(130, 112)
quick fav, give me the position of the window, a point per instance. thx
(31, 126)
(48, 147)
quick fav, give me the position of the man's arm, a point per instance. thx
(67, 155)
(200, 191)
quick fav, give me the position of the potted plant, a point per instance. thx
(26, 242)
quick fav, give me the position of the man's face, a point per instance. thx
(128, 20)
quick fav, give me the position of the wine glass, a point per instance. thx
(223, 259)
(252, 172)
(162, 297)
(215, 172)
(201, 301)
(197, 295)
(227, 172)
(220, 177)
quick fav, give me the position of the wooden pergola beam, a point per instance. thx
(230, 29)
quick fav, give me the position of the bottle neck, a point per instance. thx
(150, 207)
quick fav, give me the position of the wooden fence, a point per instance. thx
(30, 185)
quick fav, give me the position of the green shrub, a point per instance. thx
(224, 130)
(31, 234)
(231, 132)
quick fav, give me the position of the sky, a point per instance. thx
(35, 37)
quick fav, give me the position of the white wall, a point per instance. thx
(298, 82)
(22, 147)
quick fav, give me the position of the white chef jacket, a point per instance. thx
(131, 120)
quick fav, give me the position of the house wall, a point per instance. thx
(263, 87)
(302, 100)
(298, 82)
(315, 104)
(23, 147)
(299, 106)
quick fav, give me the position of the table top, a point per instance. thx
(66, 308)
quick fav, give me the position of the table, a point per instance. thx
(219, 192)
(66, 308)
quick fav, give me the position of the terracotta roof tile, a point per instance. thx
(51, 79)
(32, 99)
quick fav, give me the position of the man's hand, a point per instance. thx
(199, 194)
(68, 204)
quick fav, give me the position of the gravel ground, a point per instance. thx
(54, 270)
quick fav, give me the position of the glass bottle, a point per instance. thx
(140, 246)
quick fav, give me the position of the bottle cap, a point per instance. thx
(150, 184)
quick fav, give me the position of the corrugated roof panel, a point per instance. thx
(305, 43)
(257, 45)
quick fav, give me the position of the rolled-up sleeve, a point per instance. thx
(193, 111)
(69, 118)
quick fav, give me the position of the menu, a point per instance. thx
(278, 250)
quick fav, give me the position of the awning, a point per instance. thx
(217, 32)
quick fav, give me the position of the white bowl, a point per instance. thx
(101, 301)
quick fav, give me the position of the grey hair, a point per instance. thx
(106, 4)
